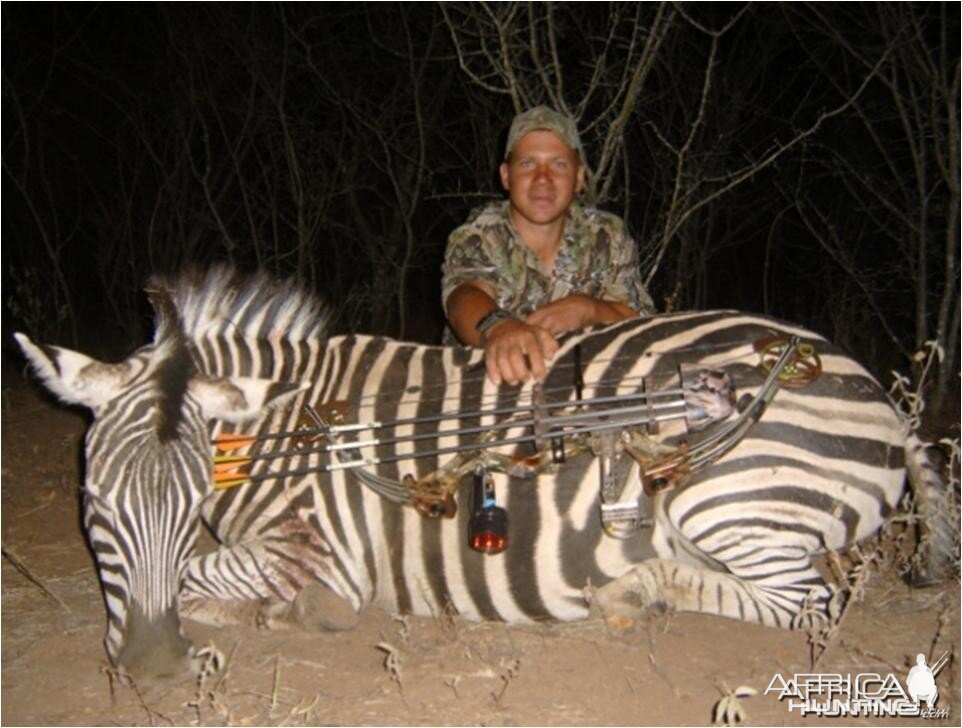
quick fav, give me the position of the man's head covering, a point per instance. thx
(541, 118)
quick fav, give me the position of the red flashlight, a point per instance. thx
(488, 528)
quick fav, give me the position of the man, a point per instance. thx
(523, 271)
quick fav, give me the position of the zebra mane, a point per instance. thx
(222, 302)
(172, 365)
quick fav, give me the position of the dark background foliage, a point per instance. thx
(799, 160)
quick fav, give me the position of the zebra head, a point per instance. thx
(148, 468)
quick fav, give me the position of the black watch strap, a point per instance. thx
(494, 316)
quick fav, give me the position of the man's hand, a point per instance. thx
(515, 351)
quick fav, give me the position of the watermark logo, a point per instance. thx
(863, 694)
(921, 681)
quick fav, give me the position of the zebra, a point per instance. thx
(822, 469)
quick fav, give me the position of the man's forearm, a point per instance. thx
(467, 305)
(576, 311)
(608, 312)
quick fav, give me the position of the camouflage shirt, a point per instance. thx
(597, 258)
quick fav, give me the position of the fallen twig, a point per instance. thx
(21, 567)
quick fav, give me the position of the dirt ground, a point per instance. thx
(669, 670)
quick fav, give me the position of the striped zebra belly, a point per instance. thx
(556, 549)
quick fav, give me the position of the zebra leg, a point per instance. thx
(789, 595)
(316, 608)
(280, 580)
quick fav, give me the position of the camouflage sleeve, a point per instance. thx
(623, 283)
(466, 259)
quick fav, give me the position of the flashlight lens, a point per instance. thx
(488, 531)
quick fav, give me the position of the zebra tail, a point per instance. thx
(937, 553)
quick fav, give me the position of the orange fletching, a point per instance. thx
(230, 464)
(230, 470)
(225, 483)
(228, 441)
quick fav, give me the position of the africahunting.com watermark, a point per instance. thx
(837, 695)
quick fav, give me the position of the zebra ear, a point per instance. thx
(236, 399)
(74, 377)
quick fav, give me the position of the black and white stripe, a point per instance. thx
(822, 469)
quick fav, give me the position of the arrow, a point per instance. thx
(230, 471)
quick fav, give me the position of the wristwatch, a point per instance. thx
(494, 316)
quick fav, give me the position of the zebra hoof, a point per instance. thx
(627, 598)
(318, 609)
(923, 577)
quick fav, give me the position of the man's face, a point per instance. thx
(543, 175)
